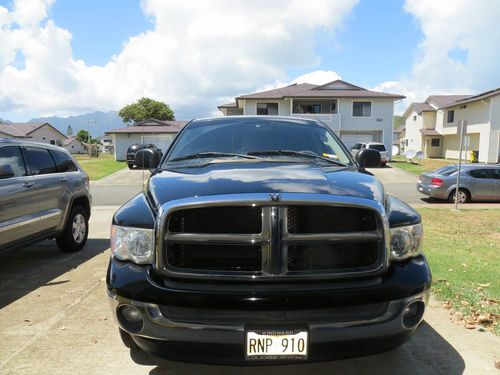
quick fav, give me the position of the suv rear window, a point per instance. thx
(378, 147)
(11, 155)
(39, 161)
(63, 162)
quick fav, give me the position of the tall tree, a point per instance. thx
(69, 131)
(146, 108)
(83, 136)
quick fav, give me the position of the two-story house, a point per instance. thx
(354, 113)
(433, 126)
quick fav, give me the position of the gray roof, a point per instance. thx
(473, 98)
(23, 130)
(334, 89)
(151, 126)
(228, 105)
(445, 100)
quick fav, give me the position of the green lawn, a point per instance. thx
(99, 167)
(463, 250)
(425, 165)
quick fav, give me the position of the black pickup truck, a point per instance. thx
(260, 240)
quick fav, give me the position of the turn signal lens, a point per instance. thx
(437, 182)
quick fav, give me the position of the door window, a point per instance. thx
(39, 161)
(63, 162)
(479, 173)
(11, 156)
(495, 174)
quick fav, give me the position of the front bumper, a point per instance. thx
(181, 324)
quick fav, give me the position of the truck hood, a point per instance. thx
(262, 177)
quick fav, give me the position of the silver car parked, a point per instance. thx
(477, 182)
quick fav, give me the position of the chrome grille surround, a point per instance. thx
(274, 238)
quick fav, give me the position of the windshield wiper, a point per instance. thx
(202, 155)
(306, 154)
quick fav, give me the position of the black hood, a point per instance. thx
(262, 177)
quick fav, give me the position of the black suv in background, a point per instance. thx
(132, 151)
(44, 194)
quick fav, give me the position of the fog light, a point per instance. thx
(413, 313)
(130, 318)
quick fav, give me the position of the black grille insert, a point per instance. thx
(324, 219)
(322, 257)
(217, 257)
(234, 220)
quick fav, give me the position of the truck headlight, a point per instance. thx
(135, 244)
(406, 242)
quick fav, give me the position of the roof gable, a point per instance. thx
(338, 85)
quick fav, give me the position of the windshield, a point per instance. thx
(256, 136)
(378, 147)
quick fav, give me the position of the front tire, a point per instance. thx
(130, 166)
(75, 232)
(463, 196)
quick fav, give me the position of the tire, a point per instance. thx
(127, 340)
(76, 231)
(130, 166)
(463, 196)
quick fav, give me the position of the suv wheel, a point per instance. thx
(130, 166)
(463, 196)
(75, 232)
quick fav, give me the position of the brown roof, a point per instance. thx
(151, 126)
(23, 130)
(68, 140)
(429, 132)
(228, 105)
(445, 100)
(334, 89)
(481, 96)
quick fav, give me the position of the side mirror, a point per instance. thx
(368, 158)
(147, 158)
(6, 171)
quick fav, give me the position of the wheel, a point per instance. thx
(463, 196)
(75, 232)
(130, 166)
(127, 340)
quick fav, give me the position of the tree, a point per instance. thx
(69, 131)
(83, 136)
(144, 109)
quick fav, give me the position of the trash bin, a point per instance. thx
(474, 156)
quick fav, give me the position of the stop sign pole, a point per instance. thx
(463, 130)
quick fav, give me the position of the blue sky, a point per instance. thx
(65, 57)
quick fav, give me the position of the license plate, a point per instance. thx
(276, 344)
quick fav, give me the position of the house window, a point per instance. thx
(435, 142)
(406, 142)
(361, 109)
(52, 142)
(415, 118)
(451, 116)
(267, 109)
(334, 106)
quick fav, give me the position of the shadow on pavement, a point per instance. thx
(426, 353)
(26, 269)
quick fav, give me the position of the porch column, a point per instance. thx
(291, 106)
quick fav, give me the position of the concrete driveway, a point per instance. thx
(55, 319)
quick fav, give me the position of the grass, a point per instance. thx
(99, 167)
(463, 250)
(425, 165)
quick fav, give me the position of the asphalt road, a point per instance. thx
(55, 319)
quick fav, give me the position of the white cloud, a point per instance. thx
(459, 52)
(318, 77)
(197, 54)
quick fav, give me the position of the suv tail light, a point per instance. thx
(437, 181)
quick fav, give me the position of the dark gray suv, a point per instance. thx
(44, 194)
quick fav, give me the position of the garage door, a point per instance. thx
(351, 139)
(161, 141)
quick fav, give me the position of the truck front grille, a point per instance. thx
(262, 242)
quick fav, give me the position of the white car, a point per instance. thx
(380, 147)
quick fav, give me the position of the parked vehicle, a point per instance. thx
(259, 239)
(132, 160)
(380, 147)
(44, 194)
(477, 182)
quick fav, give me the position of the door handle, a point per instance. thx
(28, 184)
(64, 179)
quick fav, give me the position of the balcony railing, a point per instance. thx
(330, 119)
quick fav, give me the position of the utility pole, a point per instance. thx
(463, 130)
